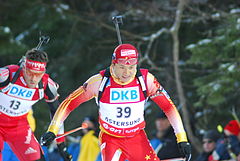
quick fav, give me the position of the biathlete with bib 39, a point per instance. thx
(121, 92)
(21, 86)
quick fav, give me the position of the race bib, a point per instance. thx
(122, 115)
(122, 119)
(18, 100)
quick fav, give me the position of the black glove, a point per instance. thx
(47, 138)
(63, 151)
(185, 149)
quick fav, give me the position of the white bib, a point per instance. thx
(18, 100)
(122, 115)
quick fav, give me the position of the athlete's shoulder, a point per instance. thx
(150, 77)
(152, 82)
(7, 70)
(95, 78)
(45, 78)
(47, 81)
(102, 72)
(12, 68)
(144, 71)
(51, 88)
(4, 74)
(92, 84)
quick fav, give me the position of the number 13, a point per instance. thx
(15, 104)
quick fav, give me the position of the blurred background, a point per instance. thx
(191, 46)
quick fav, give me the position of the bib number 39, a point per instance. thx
(123, 112)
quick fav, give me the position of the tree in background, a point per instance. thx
(216, 58)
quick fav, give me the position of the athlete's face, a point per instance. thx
(124, 72)
(32, 77)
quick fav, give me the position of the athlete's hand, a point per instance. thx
(63, 151)
(185, 149)
(47, 138)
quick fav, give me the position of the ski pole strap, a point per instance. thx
(142, 82)
(104, 83)
(16, 75)
(40, 89)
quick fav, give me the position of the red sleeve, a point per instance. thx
(84, 93)
(162, 99)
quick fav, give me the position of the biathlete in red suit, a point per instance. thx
(20, 88)
(121, 97)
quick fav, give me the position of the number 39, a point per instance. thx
(123, 112)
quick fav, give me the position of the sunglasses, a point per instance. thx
(130, 61)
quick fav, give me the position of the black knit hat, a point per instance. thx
(212, 135)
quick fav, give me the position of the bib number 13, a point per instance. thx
(123, 112)
(15, 104)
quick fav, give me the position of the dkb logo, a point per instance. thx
(21, 92)
(118, 95)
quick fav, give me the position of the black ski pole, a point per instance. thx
(42, 39)
(118, 20)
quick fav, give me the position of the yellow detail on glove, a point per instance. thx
(54, 129)
(181, 137)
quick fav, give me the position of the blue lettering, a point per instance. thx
(29, 94)
(115, 95)
(14, 90)
(21, 92)
(124, 95)
(134, 94)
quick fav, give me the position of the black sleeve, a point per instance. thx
(5, 83)
(52, 97)
(53, 107)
